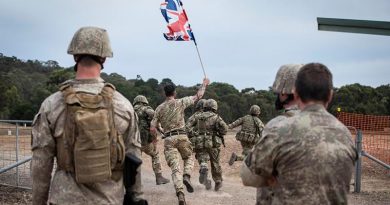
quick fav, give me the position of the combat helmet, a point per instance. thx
(91, 41)
(200, 104)
(140, 99)
(285, 78)
(211, 104)
(255, 110)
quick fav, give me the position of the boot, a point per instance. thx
(181, 198)
(233, 158)
(218, 185)
(160, 179)
(187, 182)
(203, 175)
(207, 184)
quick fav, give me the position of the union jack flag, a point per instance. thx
(176, 17)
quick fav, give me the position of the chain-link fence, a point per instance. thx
(15, 153)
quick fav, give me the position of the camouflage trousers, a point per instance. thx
(213, 155)
(246, 148)
(175, 148)
(264, 196)
(151, 150)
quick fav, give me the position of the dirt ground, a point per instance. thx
(375, 185)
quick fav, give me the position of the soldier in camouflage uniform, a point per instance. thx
(198, 110)
(207, 130)
(283, 87)
(145, 115)
(250, 133)
(90, 46)
(310, 158)
(170, 114)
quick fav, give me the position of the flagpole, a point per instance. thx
(200, 59)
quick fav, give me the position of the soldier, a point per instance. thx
(311, 156)
(170, 114)
(198, 110)
(88, 127)
(283, 88)
(208, 130)
(250, 133)
(145, 115)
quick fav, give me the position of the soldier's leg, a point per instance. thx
(185, 149)
(203, 158)
(172, 156)
(216, 170)
(246, 148)
(151, 150)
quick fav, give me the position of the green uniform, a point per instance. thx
(250, 133)
(207, 130)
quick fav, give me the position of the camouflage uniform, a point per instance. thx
(250, 128)
(311, 156)
(264, 194)
(48, 127)
(145, 115)
(207, 143)
(170, 114)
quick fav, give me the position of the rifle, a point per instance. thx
(132, 163)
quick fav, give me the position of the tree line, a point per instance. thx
(25, 84)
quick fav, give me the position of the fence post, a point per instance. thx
(17, 154)
(358, 166)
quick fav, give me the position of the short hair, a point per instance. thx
(169, 89)
(314, 83)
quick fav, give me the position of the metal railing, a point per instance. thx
(15, 153)
(358, 166)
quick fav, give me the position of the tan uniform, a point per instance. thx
(311, 156)
(170, 114)
(48, 126)
(249, 133)
(264, 194)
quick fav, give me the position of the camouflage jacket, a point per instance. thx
(170, 114)
(213, 124)
(145, 115)
(48, 125)
(248, 124)
(311, 155)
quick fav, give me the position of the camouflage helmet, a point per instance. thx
(211, 104)
(285, 78)
(91, 41)
(200, 104)
(255, 110)
(140, 99)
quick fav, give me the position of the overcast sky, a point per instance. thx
(242, 43)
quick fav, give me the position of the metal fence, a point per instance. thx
(15, 153)
(376, 147)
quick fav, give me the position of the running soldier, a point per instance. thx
(250, 133)
(145, 115)
(170, 114)
(198, 110)
(310, 158)
(207, 130)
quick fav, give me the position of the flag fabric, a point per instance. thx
(176, 17)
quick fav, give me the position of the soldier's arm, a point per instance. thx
(154, 124)
(257, 171)
(236, 123)
(43, 152)
(201, 90)
(150, 112)
(222, 127)
(190, 124)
